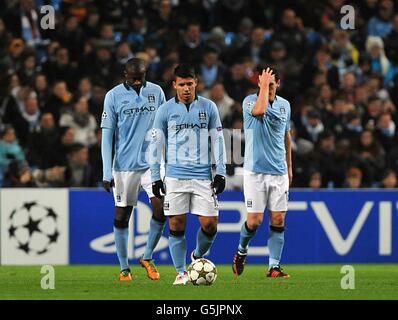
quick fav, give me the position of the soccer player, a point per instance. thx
(189, 127)
(129, 112)
(267, 169)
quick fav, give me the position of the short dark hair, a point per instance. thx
(184, 70)
(274, 71)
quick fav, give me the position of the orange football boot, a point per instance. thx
(125, 275)
(150, 267)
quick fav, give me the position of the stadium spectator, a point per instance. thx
(82, 121)
(26, 120)
(353, 178)
(42, 90)
(223, 101)
(385, 131)
(391, 42)
(191, 45)
(388, 179)
(10, 151)
(313, 126)
(236, 82)
(380, 25)
(43, 142)
(59, 101)
(78, 172)
(372, 153)
(379, 62)
(315, 180)
(292, 37)
(211, 69)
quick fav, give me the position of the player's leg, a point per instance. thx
(204, 204)
(158, 221)
(178, 247)
(255, 200)
(176, 205)
(156, 228)
(121, 233)
(125, 193)
(277, 207)
(205, 236)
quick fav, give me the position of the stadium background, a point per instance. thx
(342, 84)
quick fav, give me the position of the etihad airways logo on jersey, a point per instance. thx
(179, 127)
(139, 110)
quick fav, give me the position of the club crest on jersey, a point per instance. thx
(202, 115)
(151, 98)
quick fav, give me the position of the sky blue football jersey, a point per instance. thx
(265, 150)
(190, 137)
(131, 116)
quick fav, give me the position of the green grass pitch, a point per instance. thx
(100, 282)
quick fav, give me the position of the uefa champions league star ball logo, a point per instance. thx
(33, 228)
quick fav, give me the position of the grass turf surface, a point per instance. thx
(100, 282)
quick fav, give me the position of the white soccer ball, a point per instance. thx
(202, 272)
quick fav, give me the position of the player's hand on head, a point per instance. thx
(158, 186)
(108, 185)
(265, 77)
(218, 183)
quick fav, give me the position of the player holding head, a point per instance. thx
(129, 111)
(189, 127)
(268, 169)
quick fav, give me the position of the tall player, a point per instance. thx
(189, 127)
(268, 170)
(129, 112)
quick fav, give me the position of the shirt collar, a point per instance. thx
(177, 100)
(128, 87)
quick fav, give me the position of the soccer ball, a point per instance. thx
(202, 272)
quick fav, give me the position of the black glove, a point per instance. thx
(158, 186)
(108, 185)
(218, 183)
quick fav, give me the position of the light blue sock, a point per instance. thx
(203, 243)
(155, 232)
(275, 245)
(178, 251)
(245, 237)
(121, 241)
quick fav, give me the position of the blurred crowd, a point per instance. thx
(342, 84)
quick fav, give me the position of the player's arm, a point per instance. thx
(217, 149)
(263, 96)
(288, 147)
(108, 124)
(158, 143)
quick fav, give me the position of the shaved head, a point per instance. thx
(136, 65)
(135, 71)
